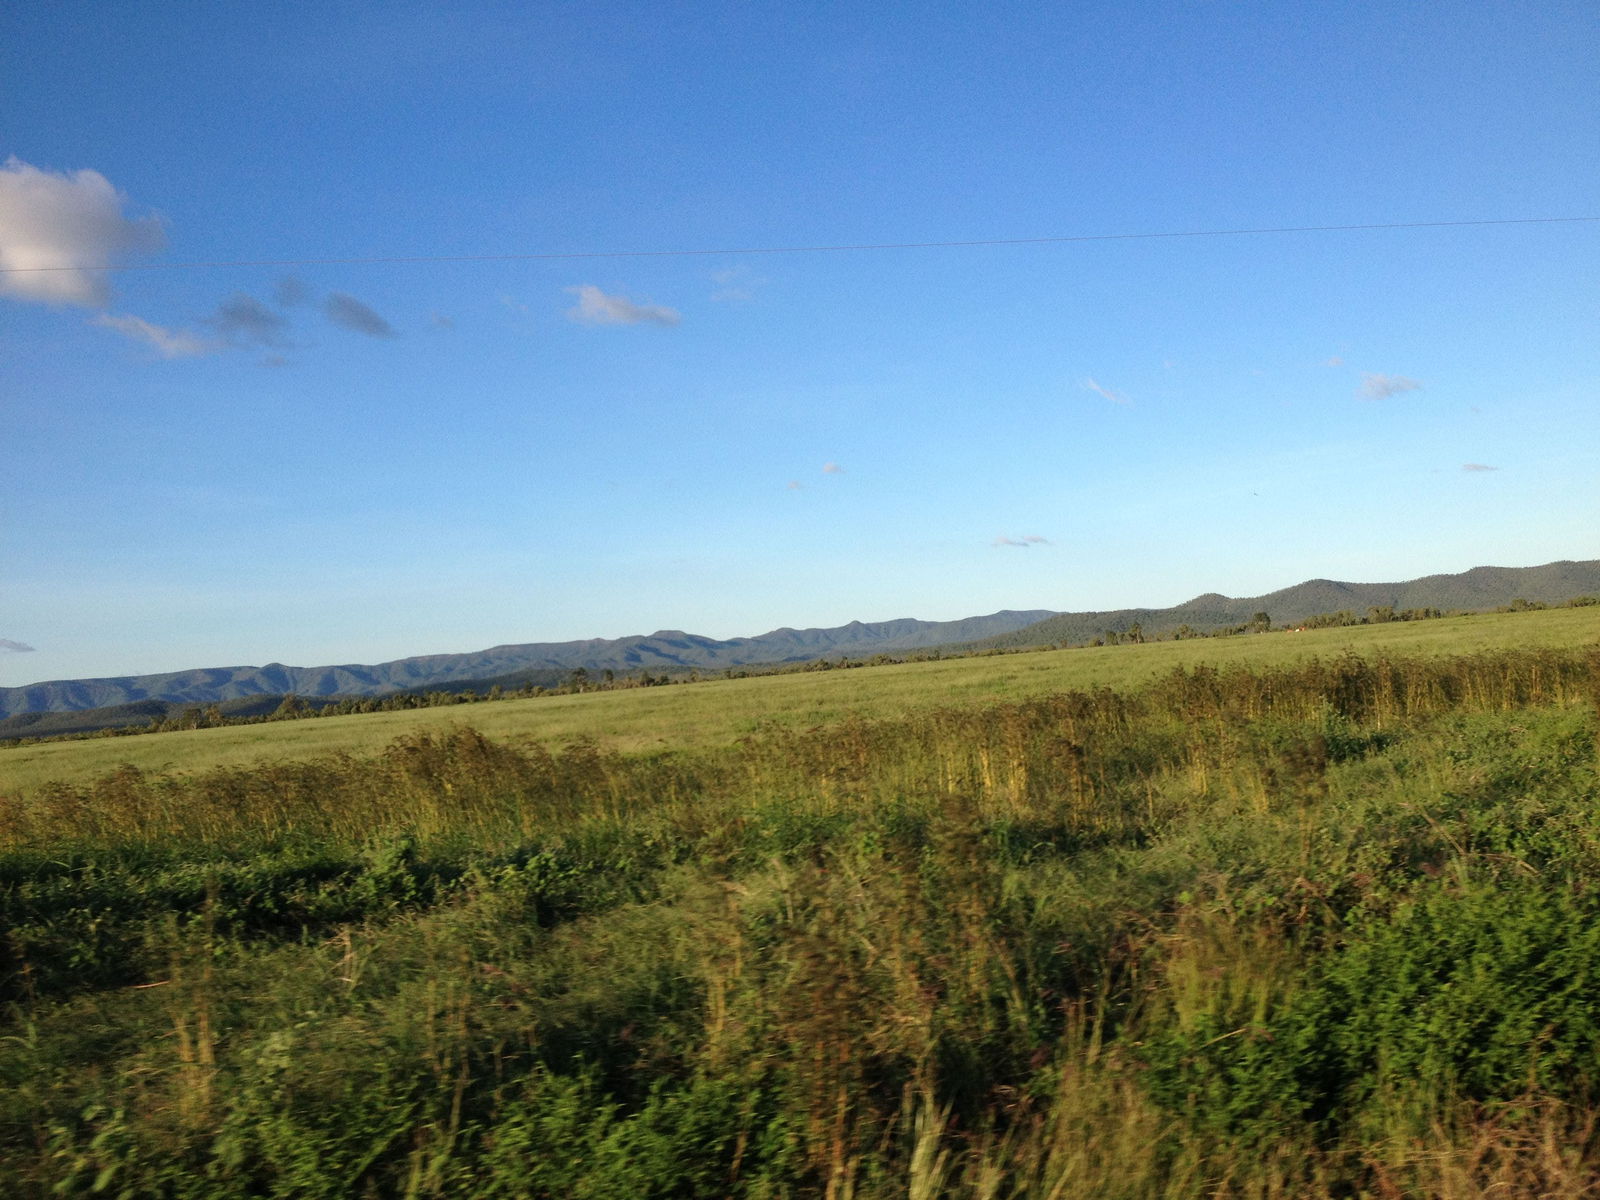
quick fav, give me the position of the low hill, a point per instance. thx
(1476, 590)
(673, 651)
(136, 713)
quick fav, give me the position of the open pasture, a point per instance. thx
(718, 711)
(1318, 930)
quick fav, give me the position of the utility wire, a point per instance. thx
(822, 249)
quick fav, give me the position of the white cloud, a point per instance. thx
(832, 468)
(1111, 394)
(169, 343)
(1381, 387)
(1478, 467)
(1335, 361)
(736, 285)
(1022, 543)
(794, 485)
(55, 223)
(595, 307)
(11, 647)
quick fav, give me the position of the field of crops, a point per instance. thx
(1207, 918)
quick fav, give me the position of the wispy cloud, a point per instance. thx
(351, 313)
(1111, 394)
(440, 321)
(243, 318)
(1381, 387)
(54, 223)
(11, 647)
(832, 468)
(595, 307)
(735, 285)
(1022, 543)
(1335, 361)
(1478, 467)
(169, 343)
(794, 485)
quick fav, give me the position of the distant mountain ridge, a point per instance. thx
(672, 650)
(666, 650)
(1470, 591)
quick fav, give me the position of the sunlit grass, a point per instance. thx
(717, 711)
(1322, 929)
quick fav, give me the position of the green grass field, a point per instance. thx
(716, 712)
(1315, 930)
(1265, 927)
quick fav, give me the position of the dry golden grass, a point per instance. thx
(718, 711)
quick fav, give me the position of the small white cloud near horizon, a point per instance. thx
(1023, 543)
(168, 343)
(736, 285)
(595, 307)
(11, 647)
(832, 468)
(1381, 387)
(55, 223)
(1476, 467)
(1335, 361)
(1111, 394)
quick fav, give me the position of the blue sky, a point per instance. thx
(350, 462)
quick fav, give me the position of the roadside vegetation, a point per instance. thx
(1318, 926)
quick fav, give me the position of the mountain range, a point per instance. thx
(676, 652)
(1477, 590)
(666, 651)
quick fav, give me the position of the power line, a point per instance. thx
(820, 249)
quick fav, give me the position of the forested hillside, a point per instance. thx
(1476, 590)
(665, 650)
(675, 651)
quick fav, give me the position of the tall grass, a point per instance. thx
(1324, 930)
(1075, 752)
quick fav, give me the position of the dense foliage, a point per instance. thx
(1323, 930)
